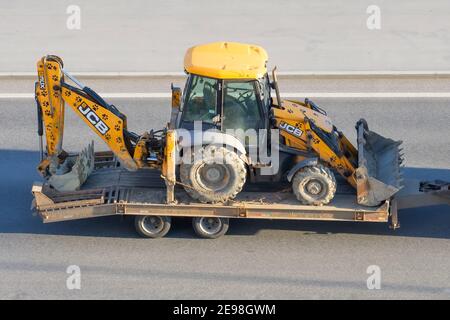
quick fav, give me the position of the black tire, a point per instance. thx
(210, 227)
(215, 175)
(314, 185)
(152, 226)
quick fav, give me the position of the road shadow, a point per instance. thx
(18, 172)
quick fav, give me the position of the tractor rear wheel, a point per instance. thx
(214, 175)
(314, 185)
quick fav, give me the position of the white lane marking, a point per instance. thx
(280, 73)
(104, 95)
(16, 95)
(100, 74)
(137, 95)
(367, 94)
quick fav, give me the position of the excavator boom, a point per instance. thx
(51, 93)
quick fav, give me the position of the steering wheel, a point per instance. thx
(239, 103)
(244, 95)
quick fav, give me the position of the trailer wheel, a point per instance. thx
(314, 185)
(210, 227)
(152, 226)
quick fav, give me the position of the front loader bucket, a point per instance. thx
(74, 171)
(378, 175)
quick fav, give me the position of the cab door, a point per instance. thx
(243, 115)
(241, 106)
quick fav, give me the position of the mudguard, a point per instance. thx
(192, 138)
(301, 164)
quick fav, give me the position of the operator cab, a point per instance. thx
(227, 87)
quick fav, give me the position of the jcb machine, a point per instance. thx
(228, 89)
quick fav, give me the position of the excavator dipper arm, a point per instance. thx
(52, 92)
(107, 122)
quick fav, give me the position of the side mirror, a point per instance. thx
(176, 97)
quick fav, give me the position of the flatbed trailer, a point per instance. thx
(111, 190)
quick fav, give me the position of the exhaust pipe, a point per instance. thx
(378, 175)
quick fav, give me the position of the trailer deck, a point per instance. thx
(111, 190)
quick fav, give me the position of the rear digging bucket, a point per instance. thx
(74, 171)
(378, 175)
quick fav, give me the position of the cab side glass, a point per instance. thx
(201, 100)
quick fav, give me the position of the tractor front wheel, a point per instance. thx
(314, 185)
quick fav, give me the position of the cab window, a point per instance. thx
(241, 106)
(201, 100)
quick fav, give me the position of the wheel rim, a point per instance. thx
(152, 224)
(210, 225)
(214, 176)
(315, 188)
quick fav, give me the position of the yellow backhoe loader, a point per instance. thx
(228, 88)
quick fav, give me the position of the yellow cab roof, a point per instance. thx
(227, 60)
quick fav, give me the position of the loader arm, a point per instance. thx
(373, 168)
(51, 94)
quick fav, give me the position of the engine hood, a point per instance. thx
(296, 110)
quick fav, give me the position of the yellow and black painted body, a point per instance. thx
(51, 104)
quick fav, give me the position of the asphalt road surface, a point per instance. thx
(256, 259)
(300, 35)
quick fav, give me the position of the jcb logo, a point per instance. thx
(41, 82)
(93, 118)
(291, 129)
